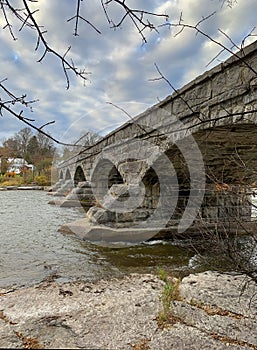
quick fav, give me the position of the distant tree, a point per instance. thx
(40, 152)
(67, 152)
(46, 152)
(86, 139)
(23, 138)
(33, 150)
(4, 155)
(37, 149)
(45, 145)
(44, 166)
(11, 147)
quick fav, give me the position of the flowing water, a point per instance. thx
(33, 250)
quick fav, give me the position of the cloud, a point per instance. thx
(120, 66)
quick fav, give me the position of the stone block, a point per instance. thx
(71, 196)
(124, 217)
(98, 215)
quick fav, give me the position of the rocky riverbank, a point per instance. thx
(209, 311)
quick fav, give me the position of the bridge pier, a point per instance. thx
(81, 195)
(129, 197)
(65, 188)
(56, 186)
(228, 208)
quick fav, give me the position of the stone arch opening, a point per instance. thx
(152, 189)
(175, 182)
(181, 175)
(67, 175)
(104, 176)
(114, 177)
(61, 175)
(79, 175)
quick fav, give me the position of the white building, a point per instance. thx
(17, 164)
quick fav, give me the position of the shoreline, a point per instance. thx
(20, 188)
(210, 311)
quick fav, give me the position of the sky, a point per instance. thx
(121, 68)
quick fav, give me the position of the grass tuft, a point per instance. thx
(170, 293)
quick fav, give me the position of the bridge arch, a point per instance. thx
(103, 176)
(67, 175)
(162, 179)
(79, 175)
(152, 189)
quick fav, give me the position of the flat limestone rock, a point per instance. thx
(211, 287)
(103, 315)
(106, 235)
(8, 338)
(212, 311)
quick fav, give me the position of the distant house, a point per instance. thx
(16, 165)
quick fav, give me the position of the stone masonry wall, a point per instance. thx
(219, 98)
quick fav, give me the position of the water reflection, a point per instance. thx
(32, 249)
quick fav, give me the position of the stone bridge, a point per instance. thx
(187, 165)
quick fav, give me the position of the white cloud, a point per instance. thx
(121, 67)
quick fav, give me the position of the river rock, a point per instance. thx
(211, 311)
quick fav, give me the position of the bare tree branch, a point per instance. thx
(139, 18)
(162, 77)
(78, 17)
(25, 120)
(181, 26)
(48, 123)
(128, 115)
(25, 16)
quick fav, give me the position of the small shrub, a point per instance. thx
(170, 293)
(17, 181)
(41, 180)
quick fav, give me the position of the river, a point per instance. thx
(32, 249)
